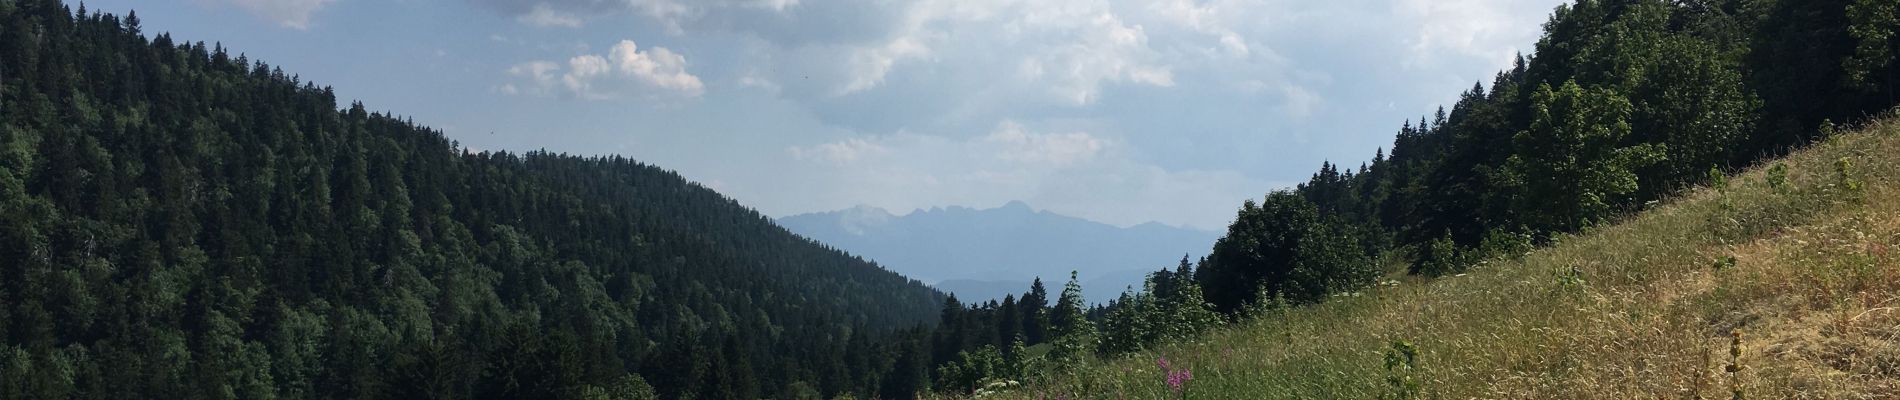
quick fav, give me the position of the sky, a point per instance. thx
(1119, 111)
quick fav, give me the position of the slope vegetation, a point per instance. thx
(180, 222)
(1786, 271)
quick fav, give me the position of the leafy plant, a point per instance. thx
(1778, 177)
(1844, 173)
(1571, 279)
(1504, 244)
(1442, 257)
(1401, 369)
(1723, 263)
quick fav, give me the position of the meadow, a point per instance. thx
(1777, 282)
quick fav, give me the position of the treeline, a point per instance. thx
(1626, 103)
(178, 222)
(979, 347)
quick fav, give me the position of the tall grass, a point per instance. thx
(1644, 308)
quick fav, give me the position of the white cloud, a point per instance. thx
(843, 152)
(1207, 19)
(1010, 143)
(1299, 102)
(625, 68)
(671, 14)
(1067, 48)
(1105, 49)
(293, 14)
(1057, 149)
(1060, 51)
(1486, 29)
(545, 16)
(755, 79)
(668, 12)
(867, 67)
(776, 5)
(1129, 110)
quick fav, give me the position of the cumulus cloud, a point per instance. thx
(1485, 29)
(866, 67)
(1068, 49)
(910, 91)
(1016, 143)
(626, 68)
(1060, 50)
(293, 14)
(1104, 49)
(1024, 54)
(1205, 18)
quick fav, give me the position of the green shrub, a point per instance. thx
(1502, 244)
(1442, 257)
(1778, 177)
(1844, 172)
(1401, 366)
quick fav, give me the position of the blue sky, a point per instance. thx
(1121, 111)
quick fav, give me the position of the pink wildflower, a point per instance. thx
(1178, 379)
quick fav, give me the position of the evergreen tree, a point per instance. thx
(907, 375)
(1009, 320)
(1034, 307)
(1073, 334)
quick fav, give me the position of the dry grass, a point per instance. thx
(1814, 288)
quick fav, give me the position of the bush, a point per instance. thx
(1441, 257)
(1501, 244)
(1778, 177)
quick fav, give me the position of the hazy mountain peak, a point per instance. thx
(858, 220)
(867, 209)
(984, 253)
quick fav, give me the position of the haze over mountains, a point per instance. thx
(982, 254)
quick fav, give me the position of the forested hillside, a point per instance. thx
(1776, 283)
(1624, 104)
(177, 221)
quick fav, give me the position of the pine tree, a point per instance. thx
(1074, 335)
(1009, 320)
(1035, 305)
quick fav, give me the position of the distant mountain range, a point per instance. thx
(982, 254)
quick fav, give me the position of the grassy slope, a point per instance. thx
(1815, 291)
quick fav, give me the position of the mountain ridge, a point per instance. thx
(986, 253)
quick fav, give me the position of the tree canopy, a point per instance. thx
(177, 221)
